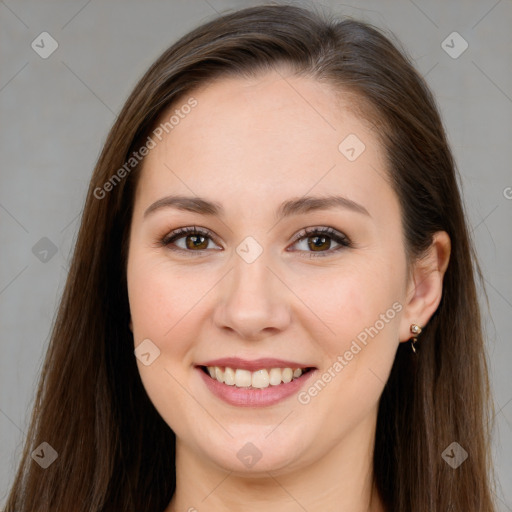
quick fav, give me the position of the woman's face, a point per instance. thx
(248, 284)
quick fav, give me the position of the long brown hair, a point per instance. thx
(114, 450)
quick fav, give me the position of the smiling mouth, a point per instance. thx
(260, 379)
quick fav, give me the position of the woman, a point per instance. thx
(272, 303)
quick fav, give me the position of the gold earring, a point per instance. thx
(416, 330)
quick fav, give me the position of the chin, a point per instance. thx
(250, 453)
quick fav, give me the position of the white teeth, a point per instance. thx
(243, 378)
(275, 376)
(287, 375)
(219, 374)
(259, 379)
(229, 376)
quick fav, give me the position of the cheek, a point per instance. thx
(159, 296)
(161, 305)
(351, 299)
(361, 306)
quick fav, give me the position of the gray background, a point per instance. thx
(56, 112)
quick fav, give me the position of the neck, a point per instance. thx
(339, 480)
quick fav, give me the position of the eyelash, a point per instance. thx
(338, 237)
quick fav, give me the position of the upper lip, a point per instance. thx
(255, 364)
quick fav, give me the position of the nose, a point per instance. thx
(252, 301)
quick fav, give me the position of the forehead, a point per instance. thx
(273, 135)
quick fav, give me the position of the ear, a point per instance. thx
(425, 287)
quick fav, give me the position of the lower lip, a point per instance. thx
(250, 397)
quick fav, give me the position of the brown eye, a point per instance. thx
(190, 239)
(320, 240)
(195, 242)
(319, 243)
(316, 241)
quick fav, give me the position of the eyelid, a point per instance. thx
(340, 238)
(311, 230)
(181, 232)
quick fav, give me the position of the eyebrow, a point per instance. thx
(288, 208)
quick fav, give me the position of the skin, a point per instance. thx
(250, 145)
